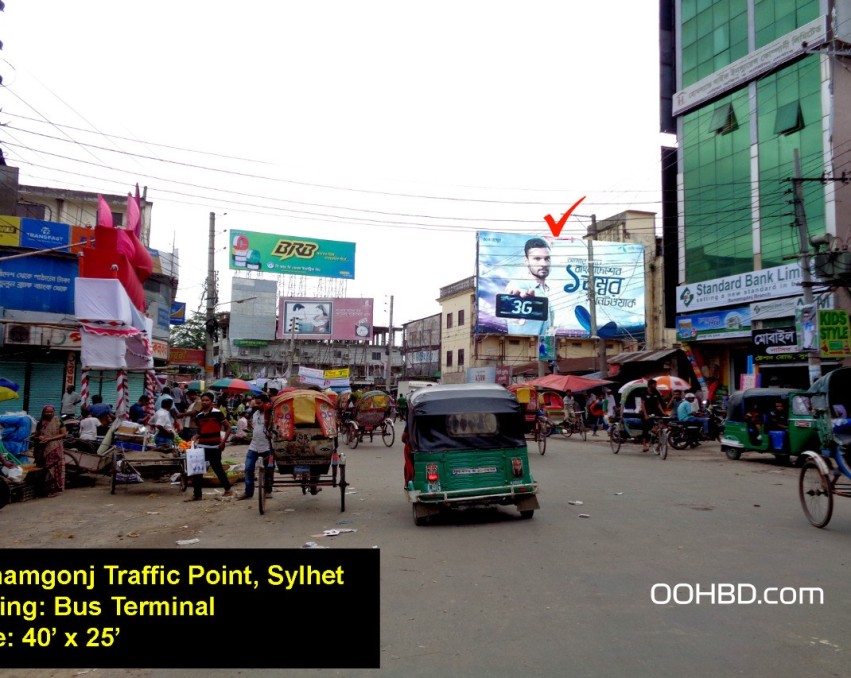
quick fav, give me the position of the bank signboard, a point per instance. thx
(769, 283)
(771, 309)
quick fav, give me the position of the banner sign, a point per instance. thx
(44, 235)
(338, 319)
(187, 356)
(786, 308)
(833, 334)
(777, 345)
(770, 283)
(724, 324)
(481, 375)
(38, 283)
(178, 313)
(513, 268)
(252, 251)
(250, 342)
(341, 373)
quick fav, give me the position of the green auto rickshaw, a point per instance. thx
(776, 421)
(465, 446)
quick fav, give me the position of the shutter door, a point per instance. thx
(13, 370)
(47, 383)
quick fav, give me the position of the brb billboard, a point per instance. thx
(251, 251)
(338, 319)
(538, 286)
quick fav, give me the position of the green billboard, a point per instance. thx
(252, 251)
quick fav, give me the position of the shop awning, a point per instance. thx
(642, 356)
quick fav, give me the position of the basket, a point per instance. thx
(22, 492)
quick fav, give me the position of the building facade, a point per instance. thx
(758, 93)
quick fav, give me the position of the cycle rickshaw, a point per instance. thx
(465, 446)
(371, 415)
(538, 426)
(303, 434)
(627, 424)
(827, 473)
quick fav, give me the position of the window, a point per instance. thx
(460, 357)
(117, 219)
(376, 355)
(449, 358)
(723, 120)
(460, 317)
(789, 119)
(448, 320)
(472, 424)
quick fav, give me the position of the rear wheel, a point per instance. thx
(662, 444)
(816, 496)
(388, 433)
(678, 439)
(352, 436)
(526, 515)
(732, 452)
(260, 487)
(542, 440)
(566, 428)
(615, 437)
(582, 428)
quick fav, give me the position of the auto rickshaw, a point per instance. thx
(465, 446)
(537, 427)
(751, 425)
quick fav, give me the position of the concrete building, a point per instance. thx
(421, 348)
(748, 86)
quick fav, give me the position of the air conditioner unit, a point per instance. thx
(21, 334)
(243, 351)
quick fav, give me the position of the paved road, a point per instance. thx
(487, 594)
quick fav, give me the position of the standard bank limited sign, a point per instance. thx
(770, 283)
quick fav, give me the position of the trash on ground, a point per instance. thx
(584, 515)
(313, 545)
(187, 542)
(576, 503)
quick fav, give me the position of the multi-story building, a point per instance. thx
(758, 93)
(421, 347)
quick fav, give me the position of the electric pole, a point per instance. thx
(210, 324)
(813, 356)
(388, 368)
(600, 345)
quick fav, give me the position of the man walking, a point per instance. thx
(211, 424)
(260, 446)
(69, 403)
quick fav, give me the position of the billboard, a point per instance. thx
(538, 286)
(38, 283)
(338, 319)
(728, 323)
(251, 251)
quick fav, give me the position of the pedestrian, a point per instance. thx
(69, 403)
(595, 412)
(50, 452)
(212, 436)
(139, 410)
(187, 422)
(260, 447)
(608, 407)
(651, 408)
(164, 424)
(181, 399)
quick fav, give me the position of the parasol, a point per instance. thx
(567, 382)
(8, 389)
(664, 384)
(235, 386)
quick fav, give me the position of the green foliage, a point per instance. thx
(191, 334)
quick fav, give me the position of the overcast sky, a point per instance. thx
(403, 127)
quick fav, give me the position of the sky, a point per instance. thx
(404, 127)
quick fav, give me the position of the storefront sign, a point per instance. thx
(503, 374)
(70, 369)
(159, 349)
(44, 235)
(38, 283)
(777, 345)
(725, 324)
(481, 375)
(10, 231)
(770, 283)
(833, 334)
(250, 342)
(785, 308)
(187, 356)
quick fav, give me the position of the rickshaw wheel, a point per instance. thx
(615, 435)
(566, 428)
(816, 494)
(732, 453)
(352, 437)
(542, 441)
(526, 515)
(388, 432)
(343, 485)
(662, 444)
(583, 429)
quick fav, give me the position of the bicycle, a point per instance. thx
(567, 427)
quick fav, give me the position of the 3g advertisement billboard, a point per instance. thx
(538, 285)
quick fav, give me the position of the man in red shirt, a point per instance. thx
(211, 423)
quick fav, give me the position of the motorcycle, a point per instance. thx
(682, 435)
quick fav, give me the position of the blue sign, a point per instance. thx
(722, 324)
(162, 318)
(38, 283)
(44, 235)
(178, 313)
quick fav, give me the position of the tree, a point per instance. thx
(192, 334)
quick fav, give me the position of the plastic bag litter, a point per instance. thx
(187, 542)
(313, 545)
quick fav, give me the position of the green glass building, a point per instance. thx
(752, 89)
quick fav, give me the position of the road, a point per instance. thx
(484, 593)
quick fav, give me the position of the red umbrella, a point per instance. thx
(567, 382)
(234, 386)
(664, 383)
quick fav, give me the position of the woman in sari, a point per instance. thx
(50, 453)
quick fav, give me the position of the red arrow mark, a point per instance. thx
(555, 228)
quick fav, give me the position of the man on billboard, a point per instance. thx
(538, 260)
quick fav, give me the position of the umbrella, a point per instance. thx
(664, 383)
(8, 383)
(235, 386)
(197, 385)
(567, 382)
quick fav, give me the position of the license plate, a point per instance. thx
(473, 471)
(301, 469)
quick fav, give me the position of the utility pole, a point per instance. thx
(210, 323)
(294, 328)
(600, 346)
(813, 357)
(388, 369)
